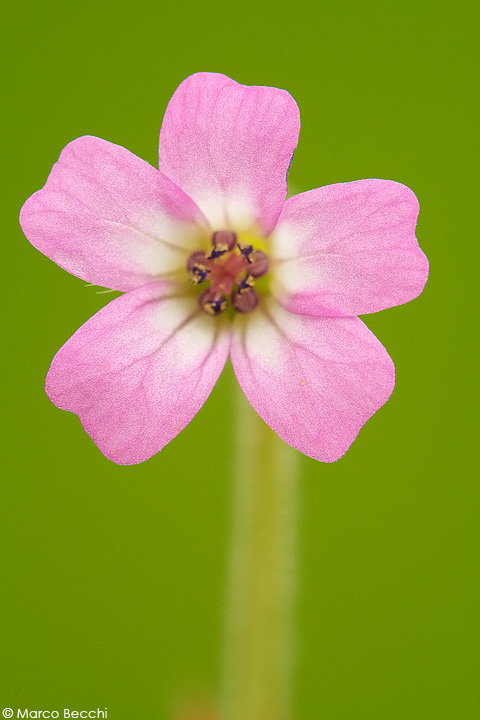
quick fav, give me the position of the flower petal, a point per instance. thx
(138, 371)
(229, 147)
(349, 249)
(110, 218)
(315, 381)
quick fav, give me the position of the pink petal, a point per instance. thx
(229, 147)
(138, 371)
(110, 218)
(315, 381)
(349, 249)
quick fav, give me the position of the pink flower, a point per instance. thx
(214, 260)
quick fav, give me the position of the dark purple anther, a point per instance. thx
(258, 264)
(245, 284)
(246, 250)
(213, 302)
(198, 267)
(246, 301)
(223, 241)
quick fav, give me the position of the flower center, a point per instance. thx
(231, 269)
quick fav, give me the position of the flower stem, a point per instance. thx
(257, 680)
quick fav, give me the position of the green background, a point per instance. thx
(113, 577)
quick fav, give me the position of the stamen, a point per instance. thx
(245, 284)
(213, 302)
(246, 250)
(246, 301)
(259, 264)
(198, 267)
(222, 241)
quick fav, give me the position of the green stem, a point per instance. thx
(259, 640)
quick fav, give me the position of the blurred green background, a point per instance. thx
(113, 577)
